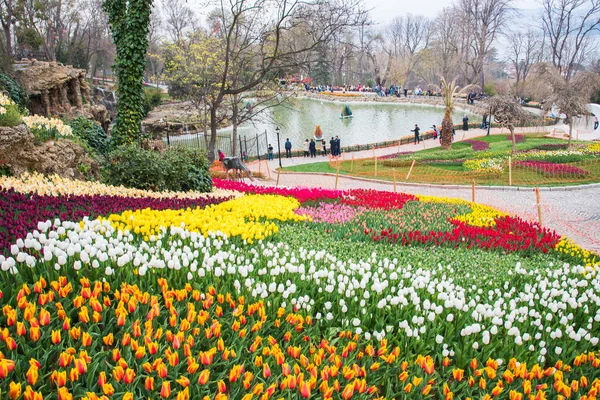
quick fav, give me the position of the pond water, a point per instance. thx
(371, 122)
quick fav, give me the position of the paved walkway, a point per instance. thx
(572, 212)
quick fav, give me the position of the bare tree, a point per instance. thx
(7, 20)
(408, 36)
(568, 25)
(483, 21)
(508, 113)
(178, 18)
(446, 42)
(524, 52)
(570, 96)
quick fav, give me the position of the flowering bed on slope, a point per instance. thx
(298, 293)
(549, 168)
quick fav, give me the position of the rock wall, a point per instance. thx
(57, 89)
(20, 153)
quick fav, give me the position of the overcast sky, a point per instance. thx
(383, 11)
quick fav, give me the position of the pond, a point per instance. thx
(372, 122)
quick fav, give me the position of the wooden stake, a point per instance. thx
(509, 171)
(278, 172)
(539, 205)
(399, 143)
(394, 179)
(373, 151)
(259, 165)
(352, 164)
(337, 175)
(473, 191)
(375, 166)
(268, 170)
(410, 170)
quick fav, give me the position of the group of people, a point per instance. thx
(310, 147)
(436, 133)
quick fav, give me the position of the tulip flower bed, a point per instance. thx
(549, 168)
(286, 293)
(478, 145)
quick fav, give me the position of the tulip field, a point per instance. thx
(254, 292)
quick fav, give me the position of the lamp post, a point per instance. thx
(489, 121)
(278, 146)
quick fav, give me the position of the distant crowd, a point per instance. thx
(385, 91)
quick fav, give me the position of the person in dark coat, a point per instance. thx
(312, 148)
(332, 146)
(484, 121)
(465, 123)
(416, 131)
(338, 147)
(323, 147)
(288, 148)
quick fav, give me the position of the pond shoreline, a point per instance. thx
(360, 98)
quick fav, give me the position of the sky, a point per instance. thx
(383, 11)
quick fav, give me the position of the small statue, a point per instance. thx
(236, 164)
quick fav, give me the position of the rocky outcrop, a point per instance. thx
(20, 152)
(61, 90)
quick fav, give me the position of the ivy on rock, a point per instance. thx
(129, 21)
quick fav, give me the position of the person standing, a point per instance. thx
(324, 147)
(270, 151)
(288, 148)
(306, 148)
(338, 147)
(221, 155)
(332, 146)
(416, 131)
(465, 123)
(312, 148)
(436, 132)
(484, 122)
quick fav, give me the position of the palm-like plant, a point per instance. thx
(449, 91)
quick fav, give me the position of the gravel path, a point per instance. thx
(572, 212)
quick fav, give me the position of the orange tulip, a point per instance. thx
(108, 389)
(183, 381)
(221, 386)
(204, 376)
(149, 384)
(56, 336)
(63, 394)
(348, 391)
(32, 375)
(128, 396)
(165, 390)
(129, 376)
(305, 390)
(14, 390)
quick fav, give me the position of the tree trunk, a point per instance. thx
(234, 115)
(7, 36)
(447, 129)
(570, 130)
(512, 135)
(213, 135)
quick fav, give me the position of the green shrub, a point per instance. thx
(152, 98)
(92, 133)
(15, 91)
(11, 115)
(177, 169)
(490, 89)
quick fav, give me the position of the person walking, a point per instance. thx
(288, 148)
(416, 131)
(436, 132)
(306, 148)
(312, 148)
(465, 123)
(323, 147)
(270, 151)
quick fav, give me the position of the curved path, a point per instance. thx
(573, 212)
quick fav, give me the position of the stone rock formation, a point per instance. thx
(20, 153)
(57, 89)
